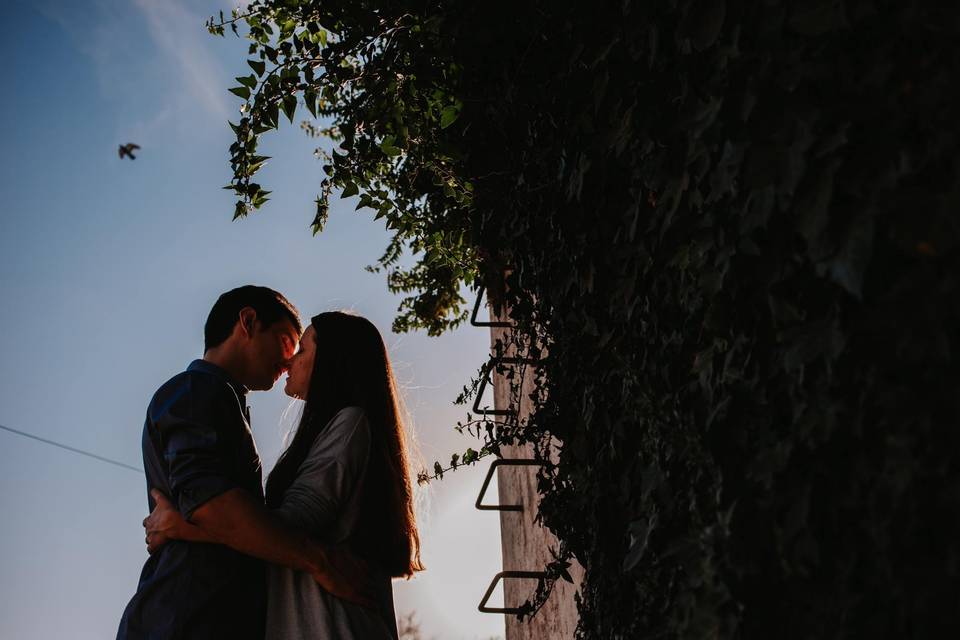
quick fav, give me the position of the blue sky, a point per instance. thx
(107, 271)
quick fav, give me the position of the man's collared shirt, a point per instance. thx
(197, 445)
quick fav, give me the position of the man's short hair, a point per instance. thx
(270, 306)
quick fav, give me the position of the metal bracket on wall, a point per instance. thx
(513, 462)
(476, 312)
(493, 364)
(539, 575)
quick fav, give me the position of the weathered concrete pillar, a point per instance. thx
(526, 543)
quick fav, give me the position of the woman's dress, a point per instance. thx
(324, 501)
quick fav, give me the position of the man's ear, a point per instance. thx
(247, 320)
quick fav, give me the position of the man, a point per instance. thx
(198, 450)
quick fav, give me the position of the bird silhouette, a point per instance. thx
(127, 150)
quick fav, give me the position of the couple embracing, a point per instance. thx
(314, 554)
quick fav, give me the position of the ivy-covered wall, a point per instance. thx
(738, 222)
(734, 226)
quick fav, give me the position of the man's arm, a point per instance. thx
(165, 523)
(236, 519)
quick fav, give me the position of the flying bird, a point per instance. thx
(127, 150)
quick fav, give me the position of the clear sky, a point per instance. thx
(107, 271)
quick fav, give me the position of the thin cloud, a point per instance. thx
(180, 34)
(175, 56)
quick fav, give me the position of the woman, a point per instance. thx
(342, 479)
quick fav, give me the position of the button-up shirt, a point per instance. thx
(197, 444)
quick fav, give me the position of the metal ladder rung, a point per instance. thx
(476, 312)
(511, 462)
(491, 365)
(503, 575)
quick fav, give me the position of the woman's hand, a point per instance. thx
(346, 576)
(163, 524)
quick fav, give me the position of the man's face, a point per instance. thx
(270, 351)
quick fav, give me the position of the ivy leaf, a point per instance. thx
(260, 198)
(310, 98)
(258, 66)
(849, 265)
(239, 211)
(388, 147)
(639, 537)
(248, 81)
(320, 218)
(290, 106)
(365, 201)
(272, 115)
(449, 115)
(256, 163)
(243, 92)
(349, 189)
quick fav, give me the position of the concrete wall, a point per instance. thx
(526, 543)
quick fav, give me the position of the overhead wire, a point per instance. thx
(73, 449)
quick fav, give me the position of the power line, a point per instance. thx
(69, 448)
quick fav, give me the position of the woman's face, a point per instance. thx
(301, 366)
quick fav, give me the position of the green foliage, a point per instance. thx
(729, 236)
(389, 116)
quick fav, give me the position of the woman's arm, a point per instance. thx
(319, 499)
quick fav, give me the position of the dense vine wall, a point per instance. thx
(739, 221)
(734, 227)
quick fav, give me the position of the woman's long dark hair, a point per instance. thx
(351, 369)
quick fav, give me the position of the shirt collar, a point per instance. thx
(209, 367)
